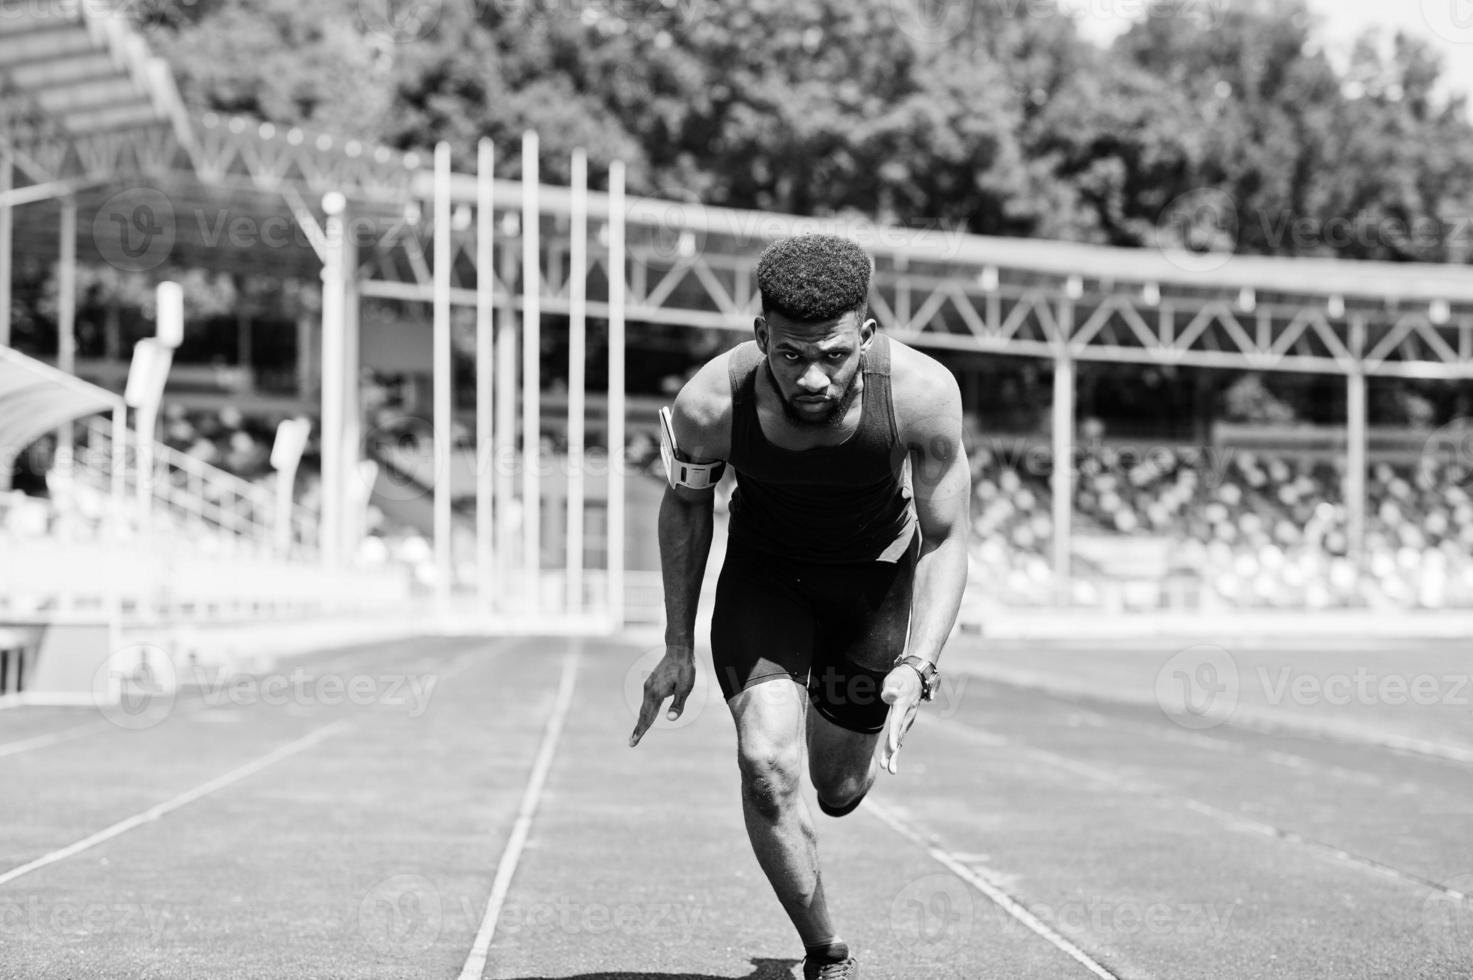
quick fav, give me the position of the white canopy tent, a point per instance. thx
(36, 398)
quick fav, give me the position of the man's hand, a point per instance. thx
(673, 677)
(902, 692)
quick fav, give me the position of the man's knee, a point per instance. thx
(769, 776)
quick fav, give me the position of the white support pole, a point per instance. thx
(1355, 467)
(334, 476)
(66, 317)
(308, 354)
(282, 520)
(354, 503)
(531, 375)
(1062, 481)
(486, 460)
(577, 326)
(286, 457)
(503, 488)
(443, 404)
(7, 228)
(146, 420)
(118, 486)
(616, 394)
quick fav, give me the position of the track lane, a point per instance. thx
(1108, 849)
(331, 864)
(1407, 814)
(638, 866)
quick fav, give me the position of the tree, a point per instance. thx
(995, 116)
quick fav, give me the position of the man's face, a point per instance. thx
(814, 365)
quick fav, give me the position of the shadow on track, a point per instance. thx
(765, 970)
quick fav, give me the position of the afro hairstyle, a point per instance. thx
(811, 278)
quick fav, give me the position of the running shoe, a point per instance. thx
(843, 970)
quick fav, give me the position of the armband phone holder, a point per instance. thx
(682, 473)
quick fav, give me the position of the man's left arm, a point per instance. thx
(942, 487)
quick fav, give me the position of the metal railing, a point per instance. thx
(187, 494)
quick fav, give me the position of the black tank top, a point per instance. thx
(830, 504)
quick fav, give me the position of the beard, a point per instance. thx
(837, 409)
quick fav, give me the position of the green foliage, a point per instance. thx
(995, 115)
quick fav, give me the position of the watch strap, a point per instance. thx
(928, 672)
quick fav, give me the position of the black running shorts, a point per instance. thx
(837, 629)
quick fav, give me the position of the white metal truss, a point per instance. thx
(1014, 311)
(269, 157)
(81, 97)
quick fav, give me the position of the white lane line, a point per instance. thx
(990, 889)
(424, 666)
(189, 796)
(1244, 717)
(475, 961)
(1119, 780)
(1249, 825)
(1166, 733)
(52, 738)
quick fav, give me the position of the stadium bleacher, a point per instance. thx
(1247, 529)
(1256, 530)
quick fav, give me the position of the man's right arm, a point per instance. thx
(701, 420)
(685, 544)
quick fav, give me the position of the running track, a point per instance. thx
(1048, 822)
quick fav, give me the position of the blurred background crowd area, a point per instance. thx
(1242, 529)
(1226, 526)
(991, 117)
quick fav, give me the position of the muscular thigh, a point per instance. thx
(769, 722)
(861, 630)
(836, 753)
(762, 626)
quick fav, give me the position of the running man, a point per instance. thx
(841, 580)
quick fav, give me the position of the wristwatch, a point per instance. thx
(929, 675)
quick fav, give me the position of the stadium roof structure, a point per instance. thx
(94, 125)
(36, 398)
(694, 264)
(82, 103)
(100, 162)
(91, 123)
